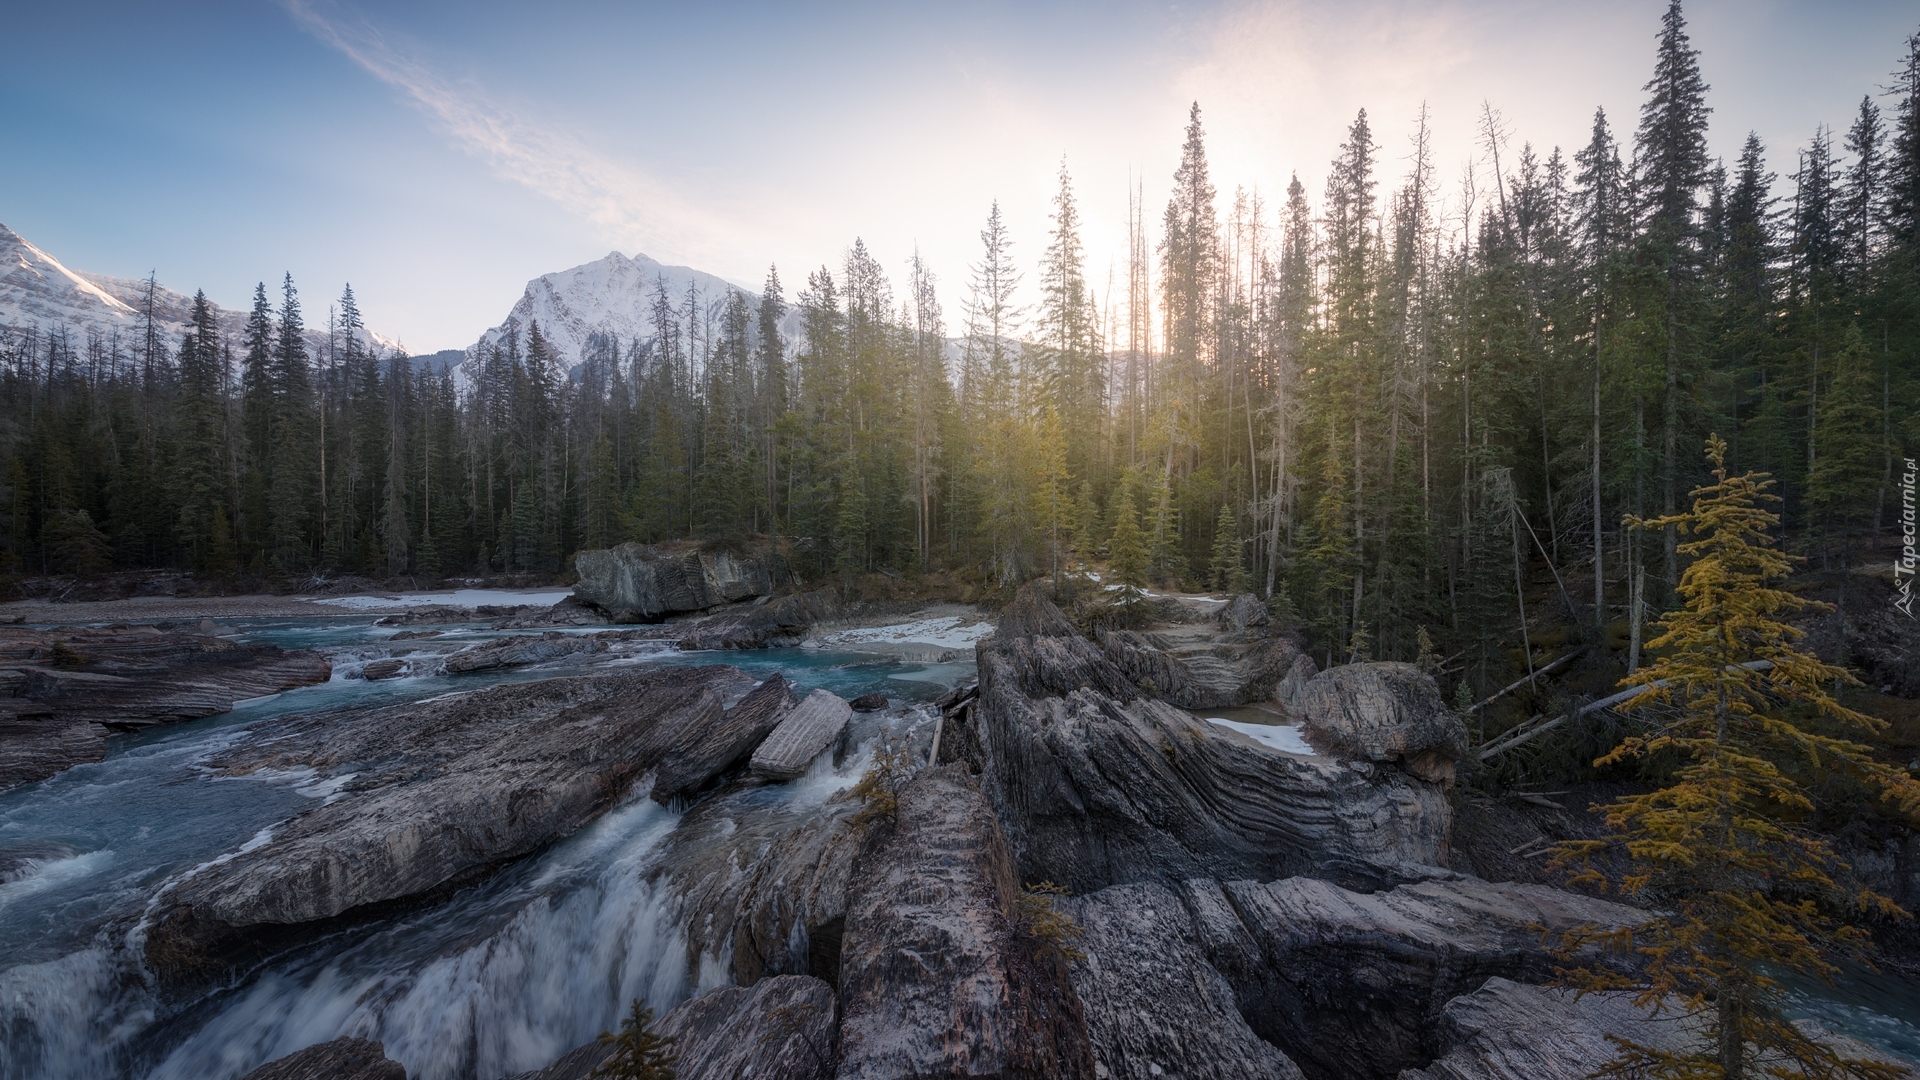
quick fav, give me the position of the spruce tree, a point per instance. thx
(1739, 886)
(1126, 551)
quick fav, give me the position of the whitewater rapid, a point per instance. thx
(499, 978)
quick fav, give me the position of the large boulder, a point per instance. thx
(647, 583)
(62, 692)
(341, 1059)
(936, 976)
(802, 735)
(1098, 785)
(432, 795)
(1382, 712)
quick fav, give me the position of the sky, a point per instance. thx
(437, 155)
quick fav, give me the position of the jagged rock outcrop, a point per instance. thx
(936, 978)
(1382, 712)
(1234, 657)
(708, 749)
(1154, 1006)
(1249, 979)
(803, 734)
(521, 651)
(341, 1059)
(1097, 785)
(779, 1028)
(384, 669)
(441, 792)
(63, 691)
(646, 583)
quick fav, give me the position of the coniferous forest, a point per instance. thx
(1394, 412)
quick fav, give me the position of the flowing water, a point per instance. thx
(501, 977)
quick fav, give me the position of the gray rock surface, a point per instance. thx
(763, 880)
(341, 1059)
(63, 691)
(1382, 712)
(1203, 665)
(936, 978)
(383, 669)
(1098, 786)
(780, 1028)
(783, 622)
(807, 730)
(437, 794)
(1515, 1031)
(521, 651)
(707, 750)
(1154, 1006)
(646, 583)
(1350, 984)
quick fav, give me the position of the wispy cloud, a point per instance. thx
(635, 210)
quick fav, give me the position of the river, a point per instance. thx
(500, 977)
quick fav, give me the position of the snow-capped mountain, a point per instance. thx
(38, 292)
(609, 297)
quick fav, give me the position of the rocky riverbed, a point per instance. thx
(1042, 861)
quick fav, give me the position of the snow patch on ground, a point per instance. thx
(1279, 736)
(951, 632)
(466, 598)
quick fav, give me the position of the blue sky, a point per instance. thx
(437, 155)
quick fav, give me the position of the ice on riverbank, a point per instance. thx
(954, 632)
(463, 598)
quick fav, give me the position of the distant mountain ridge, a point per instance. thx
(610, 297)
(39, 292)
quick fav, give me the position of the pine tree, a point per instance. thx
(1739, 886)
(1126, 551)
(1671, 153)
(639, 1052)
(1228, 571)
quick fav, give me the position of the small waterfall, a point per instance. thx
(495, 982)
(500, 978)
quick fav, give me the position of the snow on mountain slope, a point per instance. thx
(611, 297)
(38, 292)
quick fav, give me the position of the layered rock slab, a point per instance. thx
(340, 1059)
(1097, 784)
(806, 731)
(1514, 1031)
(1251, 979)
(521, 651)
(63, 691)
(1154, 1006)
(779, 1028)
(431, 795)
(936, 978)
(722, 740)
